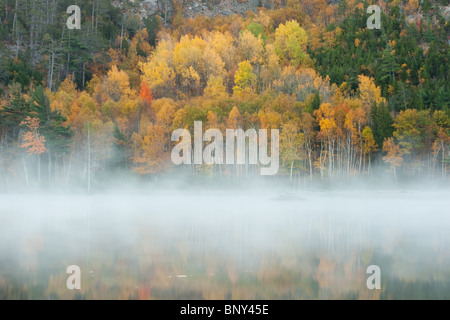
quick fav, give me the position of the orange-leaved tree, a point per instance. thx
(146, 94)
(394, 155)
(33, 142)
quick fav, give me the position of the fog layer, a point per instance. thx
(220, 245)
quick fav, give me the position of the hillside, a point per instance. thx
(82, 107)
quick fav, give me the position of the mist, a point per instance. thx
(268, 243)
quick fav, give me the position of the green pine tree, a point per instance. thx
(57, 134)
(381, 123)
(12, 114)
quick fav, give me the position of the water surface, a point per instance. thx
(226, 245)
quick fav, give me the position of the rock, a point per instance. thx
(446, 12)
(204, 7)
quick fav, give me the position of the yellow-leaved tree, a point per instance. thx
(251, 47)
(158, 72)
(151, 145)
(290, 42)
(291, 143)
(325, 116)
(116, 84)
(244, 77)
(150, 150)
(369, 92)
(369, 145)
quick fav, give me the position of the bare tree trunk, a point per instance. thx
(89, 159)
(84, 75)
(55, 6)
(360, 148)
(39, 168)
(93, 13)
(292, 165)
(6, 9)
(310, 165)
(165, 13)
(32, 25)
(48, 18)
(68, 58)
(96, 20)
(121, 32)
(25, 171)
(349, 152)
(320, 160)
(15, 26)
(51, 65)
(49, 168)
(364, 163)
(443, 159)
(330, 158)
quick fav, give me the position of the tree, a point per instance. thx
(52, 126)
(234, 120)
(388, 67)
(369, 144)
(51, 122)
(290, 42)
(158, 71)
(153, 25)
(33, 142)
(257, 30)
(63, 98)
(189, 63)
(215, 89)
(413, 131)
(146, 94)
(116, 84)
(244, 77)
(223, 45)
(394, 155)
(325, 116)
(442, 140)
(13, 113)
(251, 47)
(369, 92)
(381, 122)
(307, 126)
(150, 150)
(291, 143)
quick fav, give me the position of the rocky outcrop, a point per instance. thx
(226, 7)
(191, 8)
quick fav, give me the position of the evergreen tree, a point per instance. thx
(381, 123)
(13, 113)
(57, 134)
(388, 68)
(316, 101)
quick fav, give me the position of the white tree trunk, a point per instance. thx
(25, 171)
(39, 168)
(292, 165)
(89, 160)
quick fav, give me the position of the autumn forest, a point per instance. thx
(85, 108)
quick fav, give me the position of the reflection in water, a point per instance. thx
(226, 245)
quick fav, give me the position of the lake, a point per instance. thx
(226, 245)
